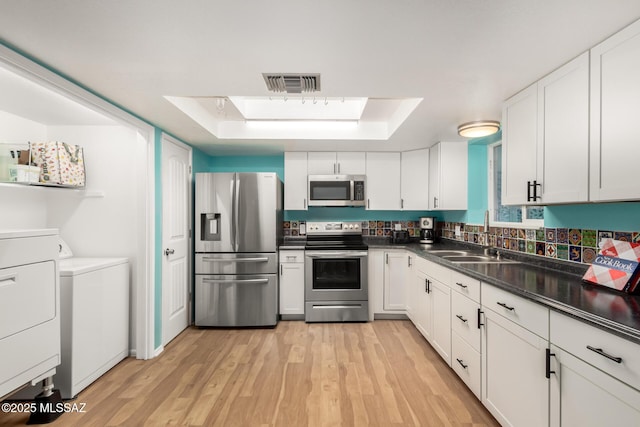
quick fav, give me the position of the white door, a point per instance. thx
(176, 202)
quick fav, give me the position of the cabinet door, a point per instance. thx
(441, 319)
(321, 163)
(584, 396)
(383, 181)
(414, 180)
(375, 277)
(295, 181)
(422, 305)
(434, 177)
(519, 139)
(563, 133)
(291, 288)
(453, 175)
(395, 273)
(615, 107)
(351, 163)
(515, 389)
(410, 300)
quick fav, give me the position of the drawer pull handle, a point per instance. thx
(463, 286)
(501, 304)
(461, 318)
(602, 353)
(461, 362)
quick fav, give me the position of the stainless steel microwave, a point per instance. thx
(337, 190)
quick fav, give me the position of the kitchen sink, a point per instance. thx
(477, 259)
(445, 253)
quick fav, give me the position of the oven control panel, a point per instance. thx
(338, 227)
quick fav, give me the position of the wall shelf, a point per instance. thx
(80, 192)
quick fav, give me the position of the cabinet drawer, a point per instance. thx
(593, 345)
(27, 296)
(525, 313)
(465, 285)
(464, 319)
(291, 256)
(436, 271)
(466, 362)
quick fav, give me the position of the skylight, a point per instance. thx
(297, 117)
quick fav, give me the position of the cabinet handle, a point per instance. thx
(479, 321)
(386, 258)
(401, 203)
(461, 318)
(304, 201)
(602, 353)
(533, 196)
(281, 269)
(548, 370)
(461, 362)
(338, 167)
(409, 260)
(426, 285)
(463, 286)
(334, 168)
(368, 203)
(435, 202)
(501, 304)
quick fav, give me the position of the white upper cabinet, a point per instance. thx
(340, 163)
(414, 178)
(519, 142)
(295, 181)
(563, 133)
(615, 108)
(383, 181)
(448, 176)
(545, 139)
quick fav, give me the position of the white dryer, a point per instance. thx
(94, 306)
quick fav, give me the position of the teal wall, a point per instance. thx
(274, 163)
(596, 216)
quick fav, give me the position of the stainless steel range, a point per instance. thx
(336, 285)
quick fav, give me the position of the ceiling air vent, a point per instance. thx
(292, 83)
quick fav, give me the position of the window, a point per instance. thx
(528, 216)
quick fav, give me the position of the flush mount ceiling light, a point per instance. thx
(478, 128)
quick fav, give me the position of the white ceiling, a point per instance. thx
(464, 57)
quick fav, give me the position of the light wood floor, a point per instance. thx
(381, 373)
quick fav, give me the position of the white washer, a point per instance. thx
(94, 307)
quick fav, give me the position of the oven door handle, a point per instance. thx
(328, 254)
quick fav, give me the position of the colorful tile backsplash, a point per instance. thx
(369, 228)
(569, 244)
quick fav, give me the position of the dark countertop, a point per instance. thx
(555, 284)
(293, 244)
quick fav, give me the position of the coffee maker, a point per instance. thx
(427, 229)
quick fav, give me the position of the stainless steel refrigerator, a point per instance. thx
(238, 226)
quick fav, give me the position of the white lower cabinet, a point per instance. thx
(514, 387)
(584, 396)
(387, 275)
(433, 306)
(396, 266)
(593, 375)
(292, 284)
(466, 362)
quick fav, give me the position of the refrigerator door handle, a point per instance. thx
(260, 259)
(234, 213)
(255, 281)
